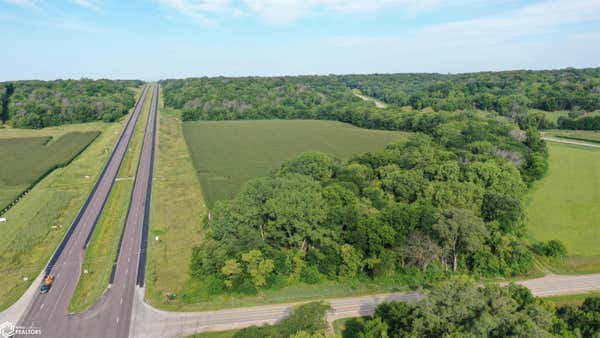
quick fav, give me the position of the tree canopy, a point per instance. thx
(459, 308)
(39, 104)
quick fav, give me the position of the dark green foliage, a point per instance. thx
(553, 249)
(9, 89)
(462, 309)
(310, 275)
(38, 104)
(314, 164)
(415, 205)
(584, 319)
(591, 122)
(308, 318)
(511, 92)
(449, 197)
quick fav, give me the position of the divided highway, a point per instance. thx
(110, 317)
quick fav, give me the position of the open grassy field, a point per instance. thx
(565, 205)
(27, 160)
(177, 212)
(227, 154)
(102, 249)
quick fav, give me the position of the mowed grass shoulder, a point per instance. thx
(226, 154)
(178, 209)
(565, 205)
(27, 160)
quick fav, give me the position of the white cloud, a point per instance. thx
(286, 11)
(93, 5)
(530, 20)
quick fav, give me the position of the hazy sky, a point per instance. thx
(155, 39)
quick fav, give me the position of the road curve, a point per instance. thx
(148, 322)
(48, 312)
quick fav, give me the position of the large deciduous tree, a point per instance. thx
(459, 231)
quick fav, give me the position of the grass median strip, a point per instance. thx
(177, 211)
(102, 249)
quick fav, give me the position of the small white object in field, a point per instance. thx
(54, 227)
(3, 220)
(156, 238)
(87, 177)
(85, 271)
(26, 278)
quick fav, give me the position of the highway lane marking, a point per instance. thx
(121, 302)
(41, 307)
(117, 319)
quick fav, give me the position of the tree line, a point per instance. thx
(9, 89)
(447, 199)
(512, 94)
(462, 309)
(39, 104)
(507, 92)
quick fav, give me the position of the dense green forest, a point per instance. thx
(39, 104)
(447, 199)
(507, 92)
(511, 94)
(462, 309)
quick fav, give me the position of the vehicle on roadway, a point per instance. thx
(47, 284)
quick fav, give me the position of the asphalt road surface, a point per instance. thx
(110, 317)
(149, 322)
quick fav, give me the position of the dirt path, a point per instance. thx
(574, 142)
(378, 103)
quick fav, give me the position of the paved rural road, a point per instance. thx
(110, 317)
(567, 141)
(148, 322)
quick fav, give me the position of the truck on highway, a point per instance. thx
(47, 284)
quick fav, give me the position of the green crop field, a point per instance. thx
(565, 205)
(26, 160)
(226, 154)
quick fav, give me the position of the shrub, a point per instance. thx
(553, 249)
(310, 275)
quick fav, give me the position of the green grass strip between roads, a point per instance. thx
(102, 249)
